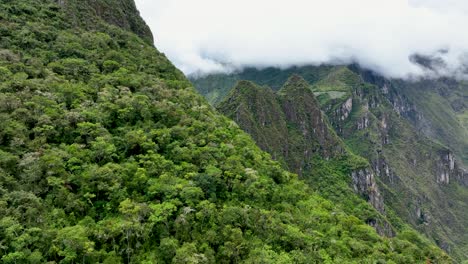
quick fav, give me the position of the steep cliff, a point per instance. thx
(414, 172)
(436, 107)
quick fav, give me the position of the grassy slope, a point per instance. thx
(443, 105)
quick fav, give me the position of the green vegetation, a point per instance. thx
(382, 125)
(107, 155)
(444, 107)
(291, 127)
(215, 87)
(288, 124)
(340, 79)
(408, 162)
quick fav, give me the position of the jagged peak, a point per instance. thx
(296, 84)
(242, 84)
(246, 90)
(297, 81)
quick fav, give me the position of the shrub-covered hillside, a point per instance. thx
(408, 132)
(107, 155)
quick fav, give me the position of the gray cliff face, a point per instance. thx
(345, 109)
(382, 169)
(364, 184)
(447, 169)
(401, 105)
(341, 114)
(363, 122)
(435, 107)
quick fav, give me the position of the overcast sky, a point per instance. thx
(217, 35)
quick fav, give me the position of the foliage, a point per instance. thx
(215, 87)
(402, 128)
(108, 155)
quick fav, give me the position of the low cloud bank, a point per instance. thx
(397, 38)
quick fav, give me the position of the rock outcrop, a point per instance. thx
(345, 109)
(364, 183)
(447, 169)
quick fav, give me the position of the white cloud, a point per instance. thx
(207, 35)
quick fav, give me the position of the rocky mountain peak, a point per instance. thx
(295, 83)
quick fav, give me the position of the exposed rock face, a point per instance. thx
(384, 128)
(345, 109)
(436, 107)
(363, 122)
(364, 183)
(401, 106)
(382, 169)
(463, 177)
(385, 89)
(447, 169)
(415, 173)
(423, 217)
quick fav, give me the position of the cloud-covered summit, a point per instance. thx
(383, 35)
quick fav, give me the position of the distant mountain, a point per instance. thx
(108, 155)
(216, 86)
(415, 145)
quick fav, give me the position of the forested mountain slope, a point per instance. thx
(275, 119)
(108, 155)
(291, 127)
(436, 107)
(421, 179)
